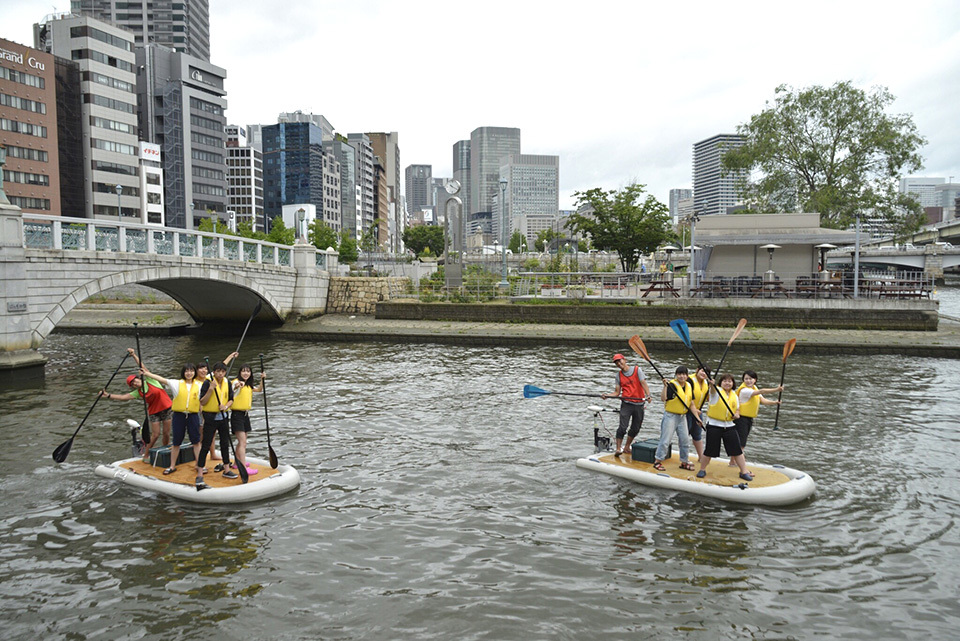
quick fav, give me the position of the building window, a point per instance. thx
(107, 81)
(42, 204)
(109, 103)
(99, 165)
(82, 54)
(113, 125)
(26, 178)
(116, 147)
(23, 128)
(22, 77)
(102, 36)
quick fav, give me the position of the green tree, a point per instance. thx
(368, 241)
(831, 150)
(206, 224)
(515, 240)
(544, 238)
(421, 237)
(348, 248)
(280, 233)
(321, 235)
(621, 222)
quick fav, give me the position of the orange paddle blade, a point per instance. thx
(637, 345)
(736, 332)
(788, 348)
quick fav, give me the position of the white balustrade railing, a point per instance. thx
(84, 234)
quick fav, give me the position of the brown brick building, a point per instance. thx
(28, 128)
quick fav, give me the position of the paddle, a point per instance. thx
(60, 454)
(787, 350)
(529, 391)
(679, 326)
(241, 468)
(637, 345)
(145, 432)
(256, 310)
(736, 332)
(266, 417)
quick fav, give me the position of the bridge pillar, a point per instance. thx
(313, 284)
(16, 334)
(933, 262)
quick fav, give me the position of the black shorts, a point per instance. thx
(694, 428)
(239, 421)
(744, 425)
(730, 438)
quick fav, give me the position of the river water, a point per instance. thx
(437, 503)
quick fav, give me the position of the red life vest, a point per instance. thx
(157, 399)
(630, 386)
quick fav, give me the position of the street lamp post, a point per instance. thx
(856, 261)
(119, 189)
(503, 231)
(301, 214)
(693, 248)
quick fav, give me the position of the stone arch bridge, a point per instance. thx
(50, 264)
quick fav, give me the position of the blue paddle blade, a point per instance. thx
(680, 327)
(530, 391)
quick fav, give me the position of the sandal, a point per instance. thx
(169, 470)
(686, 465)
(657, 465)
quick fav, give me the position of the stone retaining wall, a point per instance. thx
(360, 295)
(824, 314)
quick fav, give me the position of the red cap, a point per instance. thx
(617, 357)
(130, 380)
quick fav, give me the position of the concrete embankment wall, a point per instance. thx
(800, 314)
(360, 295)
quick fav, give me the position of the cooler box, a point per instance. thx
(160, 456)
(646, 451)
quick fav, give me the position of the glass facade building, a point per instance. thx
(292, 166)
(714, 191)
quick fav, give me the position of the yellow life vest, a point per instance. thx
(700, 391)
(242, 398)
(223, 389)
(187, 398)
(684, 394)
(751, 407)
(718, 410)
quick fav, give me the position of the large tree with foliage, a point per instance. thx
(321, 235)
(831, 150)
(421, 237)
(280, 233)
(622, 221)
(347, 248)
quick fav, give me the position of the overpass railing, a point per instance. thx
(84, 234)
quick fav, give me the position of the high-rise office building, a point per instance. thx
(297, 170)
(28, 129)
(365, 181)
(533, 189)
(351, 207)
(714, 190)
(947, 198)
(488, 147)
(418, 180)
(316, 119)
(676, 195)
(106, 66)
(924, 189)
(182, 105)
(244, 179)
(183, 25)
(386, 146)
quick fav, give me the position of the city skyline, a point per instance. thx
(616, 96)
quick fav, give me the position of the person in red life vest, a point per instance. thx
(158, 406)
(632, 390)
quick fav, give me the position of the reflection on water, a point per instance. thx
(437, 503)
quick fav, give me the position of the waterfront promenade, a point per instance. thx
(943, 343)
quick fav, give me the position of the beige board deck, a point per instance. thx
(186, 474)
(718, 472)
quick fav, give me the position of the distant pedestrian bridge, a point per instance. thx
(51, 264)
(931, 259)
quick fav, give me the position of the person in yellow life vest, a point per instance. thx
(677, 397)
(701, 390)
(751, 398)
(185, 394)
(216, 397)
(632, 390)
(723, 408)
(243, 390)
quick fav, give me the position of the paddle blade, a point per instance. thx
(637, 345)
(273, 459)
(242, 469)
(60, 454)
(736, 332)
(256, 310)
(679, 326)
(530, 391)
(788, 348)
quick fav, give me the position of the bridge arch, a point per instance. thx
(206, 294)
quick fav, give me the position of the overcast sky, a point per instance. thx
(619, 90)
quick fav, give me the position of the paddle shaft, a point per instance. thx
(266, 416)
(60, 454)
(256, 310)
(686, 341)
(143, 379)
(783, 372)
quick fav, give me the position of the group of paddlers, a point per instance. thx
(199, 405)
